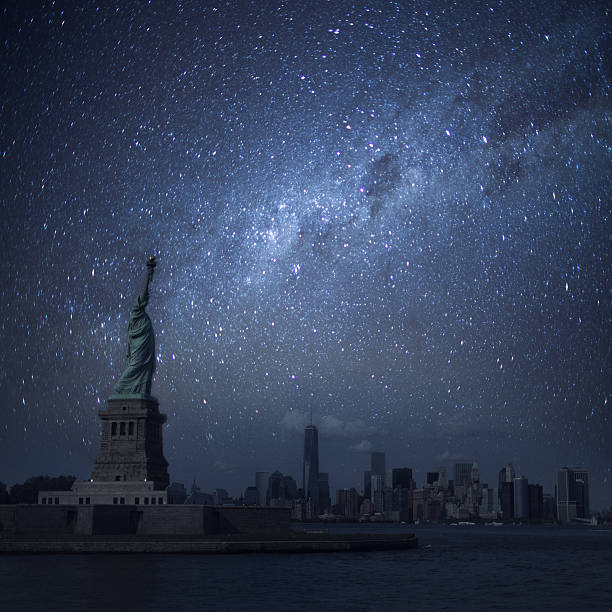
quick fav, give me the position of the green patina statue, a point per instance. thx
(137, 376)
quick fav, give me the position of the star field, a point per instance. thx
(395, 215)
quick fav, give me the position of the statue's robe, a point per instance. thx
(136, 379)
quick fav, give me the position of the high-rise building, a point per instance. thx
(506, 500)
(432, 477)
(310, 472)
(275, 487)
(261, 482)
(581, 478)
(462, 474)
(367, 484)
(506, 491)
(378, 492)
(289, 487)
(402, 503)
(442, 477)
(251, 496)
(324, 494)
(506, 474)
(378, 464)
(536, 502)
(401, 477)
(521, 498)
(366, 507)
(548, 507)
(347, 501)
(437, 478)
(489, 503)
(572, 492)
(387, 499)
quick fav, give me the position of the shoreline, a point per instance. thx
(291, 543)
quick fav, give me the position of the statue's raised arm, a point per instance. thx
(138, 374)
(151, 263)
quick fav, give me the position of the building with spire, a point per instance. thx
(310, 469)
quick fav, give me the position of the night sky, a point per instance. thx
(393, 214)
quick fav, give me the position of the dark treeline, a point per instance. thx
(27, 493)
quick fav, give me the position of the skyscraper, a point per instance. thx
(506, 491)
(367, 484)
(401, 477)
(521, 498)
(251, 496)
(378, 464)
(261, 482)
(275, 488)
(572, 491)
(290, 487)
(463, 474)
(432, 477)
(324, 498)
(442, 477)
(536, 502)
(348, 502)
(378, 492)
(506, 500)
(310, 472)
(506, 474)
(581, 478)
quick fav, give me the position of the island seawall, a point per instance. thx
(172, 529)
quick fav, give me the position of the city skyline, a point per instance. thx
(400, 471)
(419, 475)
(395, 495)
(462, 469)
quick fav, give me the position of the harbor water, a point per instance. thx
(454, 568)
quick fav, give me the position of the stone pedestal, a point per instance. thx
(132, 447)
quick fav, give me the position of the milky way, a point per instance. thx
(392, 215)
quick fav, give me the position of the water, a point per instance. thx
(455, 568)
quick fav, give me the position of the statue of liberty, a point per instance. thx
(136, 378)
